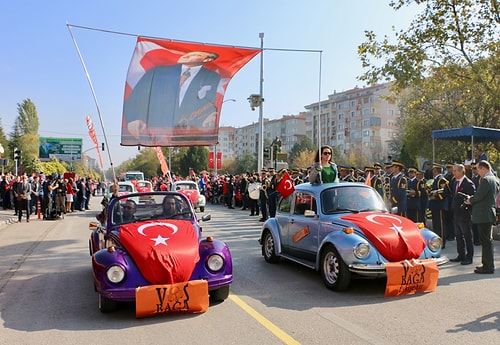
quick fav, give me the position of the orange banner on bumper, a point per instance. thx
(191, 296)
(411, 276)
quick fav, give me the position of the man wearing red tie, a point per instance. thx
(462, 187)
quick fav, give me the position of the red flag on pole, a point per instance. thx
(211, 160)
(174, 91)
(285, 187)
(219, 160)
(161, 158)
(91, 129)
(368, 180)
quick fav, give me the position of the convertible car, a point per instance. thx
(344, 230)
(140, 244)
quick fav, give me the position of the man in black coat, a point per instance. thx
(462, 187)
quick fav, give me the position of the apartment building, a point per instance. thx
(360, 121)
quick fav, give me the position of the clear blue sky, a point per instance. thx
(39, 60)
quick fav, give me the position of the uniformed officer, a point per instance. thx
(296, 177)
(345, 174)
(398, 188)
(387, 182)
(360, 176)
(377, 180)
(272, 193)
(424, 197)
(438, 201)
(263, 194)
(414, 195)
(448, 217)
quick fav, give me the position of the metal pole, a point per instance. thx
(95, 100)
(215, 158)
(260, 153)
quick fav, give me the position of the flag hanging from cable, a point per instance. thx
(163, 162)
(174, 91)
(90, 126)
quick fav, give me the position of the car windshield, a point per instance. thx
(351, 198)
(149, 206)
(185, 186)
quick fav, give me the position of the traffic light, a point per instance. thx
(17, 154)
(267, 153)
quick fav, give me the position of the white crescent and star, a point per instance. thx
(159, 239)
(288, 184)
(397, 229)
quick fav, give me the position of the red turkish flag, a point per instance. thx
(396, 238)
(211, 160)
(166, 252)
(219, 160)
(285, 187)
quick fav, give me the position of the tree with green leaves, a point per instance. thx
(445, 66)
(25, 133)
(305, 143)
(196, 158)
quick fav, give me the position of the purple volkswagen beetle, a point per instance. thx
(154, 238)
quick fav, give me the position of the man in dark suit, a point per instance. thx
(178, 96)
(461, 187)
(414, 194)
(484, 214)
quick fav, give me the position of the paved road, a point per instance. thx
(47, 297)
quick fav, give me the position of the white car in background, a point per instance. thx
(192, 191)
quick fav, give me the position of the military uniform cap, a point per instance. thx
(344, 167)
(377, 165)
(295, 171)
(369, 168)
(398, 164)
(412, 169)
(271, 169)
(388, 164)
(449, 165)
(436, 166)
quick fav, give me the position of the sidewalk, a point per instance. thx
(7, 217)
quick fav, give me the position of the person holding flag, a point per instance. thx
(285, 186)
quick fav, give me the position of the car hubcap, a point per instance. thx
(331, 268)
(269, 246)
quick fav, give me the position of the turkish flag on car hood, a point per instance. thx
(166, 252)
(396, 238)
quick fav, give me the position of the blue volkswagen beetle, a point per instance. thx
(343, 230)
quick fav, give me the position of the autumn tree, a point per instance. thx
(445, 66)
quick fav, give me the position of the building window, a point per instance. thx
(366, 133)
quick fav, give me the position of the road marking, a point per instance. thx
(263, 321)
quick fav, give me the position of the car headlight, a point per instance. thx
(362, 250)
(215, 262)
(434, 244)
(115, 274)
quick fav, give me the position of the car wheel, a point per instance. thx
(268, 248)
(106, 305)
(220, 294)
(334, 271)
(202, 208)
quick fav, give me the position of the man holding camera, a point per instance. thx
(462, 189)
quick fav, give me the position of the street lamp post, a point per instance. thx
(260, 159)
